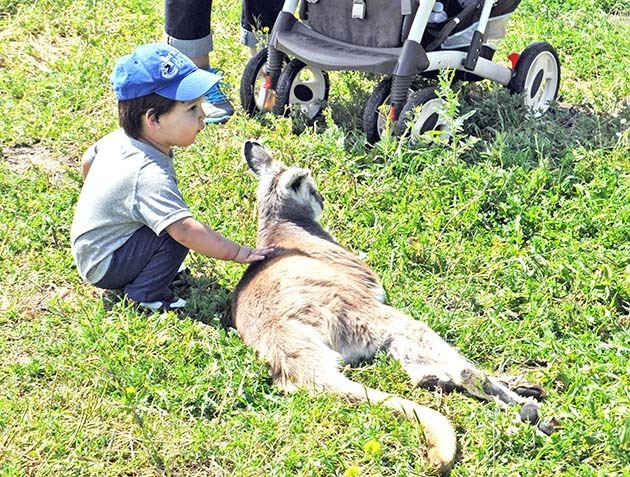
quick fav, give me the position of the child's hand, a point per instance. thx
(248, 255)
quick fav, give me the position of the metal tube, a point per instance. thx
(485, 15)
(420, 21)
(487, 69)
(290, 6)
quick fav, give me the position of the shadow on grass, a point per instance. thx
(500, 121)
(207, 301)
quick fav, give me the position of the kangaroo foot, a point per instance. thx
(523, 387)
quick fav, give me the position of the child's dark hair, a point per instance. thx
(131, 111)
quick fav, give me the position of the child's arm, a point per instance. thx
(86, 160)
(85, 168)
(202, 239)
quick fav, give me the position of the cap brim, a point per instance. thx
(191, 87)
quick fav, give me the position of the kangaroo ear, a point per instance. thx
(293, 179)
(297, 183)
(256, 156)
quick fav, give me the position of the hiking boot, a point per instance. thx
(216, 104)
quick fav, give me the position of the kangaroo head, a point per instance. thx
(283, 192)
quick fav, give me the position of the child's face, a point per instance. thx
(180, 126)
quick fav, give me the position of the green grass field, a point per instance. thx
(515, 247)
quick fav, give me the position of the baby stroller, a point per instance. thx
(401, 39)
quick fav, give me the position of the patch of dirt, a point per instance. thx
(20, 159)
(35, 301)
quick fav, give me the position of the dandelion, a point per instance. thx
(130, 390)
(372, 447)
(352, 471)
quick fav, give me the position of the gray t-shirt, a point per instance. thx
(130, 184)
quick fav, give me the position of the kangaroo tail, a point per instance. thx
(439, 434)
(301, 361)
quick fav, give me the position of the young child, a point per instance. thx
(132, 228)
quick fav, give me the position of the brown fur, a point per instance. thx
(314, 306)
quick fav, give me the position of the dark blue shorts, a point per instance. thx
(145, 266)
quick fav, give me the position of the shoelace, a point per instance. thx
(215, 94)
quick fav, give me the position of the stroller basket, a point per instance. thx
(381, 23)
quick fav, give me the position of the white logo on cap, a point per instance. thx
(170, 65)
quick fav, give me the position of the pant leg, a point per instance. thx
(256, 16)
(187, 26)
(145, 266)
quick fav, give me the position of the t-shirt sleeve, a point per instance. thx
(90, 154)
(158, 200)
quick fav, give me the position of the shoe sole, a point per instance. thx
(222, 120)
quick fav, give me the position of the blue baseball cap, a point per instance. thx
(159, 68)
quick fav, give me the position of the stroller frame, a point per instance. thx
(468, 51)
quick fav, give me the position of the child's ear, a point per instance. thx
(151, 119)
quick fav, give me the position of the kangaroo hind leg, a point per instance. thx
(298, 356)
(432, 362)
(427, 359)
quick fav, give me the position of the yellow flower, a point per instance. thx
(372, 447)
(352, 471)
(130, 390)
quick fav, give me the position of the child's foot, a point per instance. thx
(175, 304)
(216, 104)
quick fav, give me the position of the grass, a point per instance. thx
(515, 247)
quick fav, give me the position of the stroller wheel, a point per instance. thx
(376, 112)
(255, 97)
(302, 86)
(423, 112)
(537, 75)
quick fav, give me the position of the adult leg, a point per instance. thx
(257, 16)
(187, 25)
(145, 266)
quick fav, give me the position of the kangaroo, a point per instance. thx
(314, 306)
